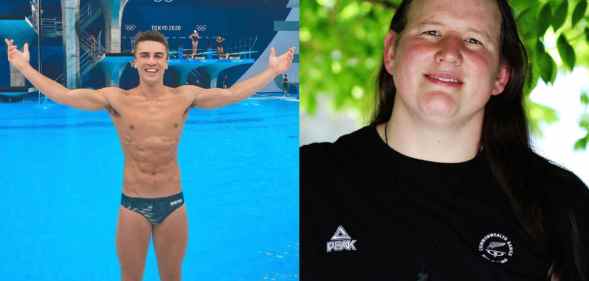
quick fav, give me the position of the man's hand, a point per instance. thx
(18, 59)
(209, 98)
(282, 63)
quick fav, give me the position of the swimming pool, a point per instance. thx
(61, 175)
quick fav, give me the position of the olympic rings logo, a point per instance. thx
(159, 1)
(200, 27)
(130, 27)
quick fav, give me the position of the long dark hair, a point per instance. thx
(506, 144)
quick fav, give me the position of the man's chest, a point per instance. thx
(150, 116)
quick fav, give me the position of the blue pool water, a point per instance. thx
(61, 175)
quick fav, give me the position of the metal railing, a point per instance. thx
(91, 48)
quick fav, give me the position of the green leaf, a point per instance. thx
(545, 13)
(587, 34)
(584, 98)
(350, 11)
(545, 64)
(579, 12)
(567, 54)
(539, 113)
(581, 144)
(532, 80)
(526, 21)
(519, 5)
(548, 67)
(539, 47)
(560, 15)
(584, 122)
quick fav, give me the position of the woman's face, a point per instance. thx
(446, 63)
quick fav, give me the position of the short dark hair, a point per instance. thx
(150, 35)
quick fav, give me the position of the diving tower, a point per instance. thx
(113, 17)
(287, 35)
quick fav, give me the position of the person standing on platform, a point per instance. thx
(285, 85)
(220, 51)
(194, 37)
(149, 120)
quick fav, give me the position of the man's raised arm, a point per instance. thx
(219, 97)
(80, 98)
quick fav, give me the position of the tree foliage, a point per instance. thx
(342, 43)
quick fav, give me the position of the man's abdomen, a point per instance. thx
(151, 168)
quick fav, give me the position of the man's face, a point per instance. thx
(151, 61)
(446, 64)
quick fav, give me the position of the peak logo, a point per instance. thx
(341, 241)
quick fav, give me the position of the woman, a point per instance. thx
(194, 37)
(443, 184)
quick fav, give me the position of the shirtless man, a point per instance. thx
(149, 120)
